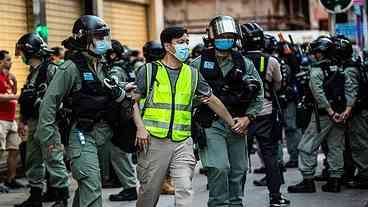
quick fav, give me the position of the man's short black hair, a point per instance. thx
(170, 33)
(3, 54)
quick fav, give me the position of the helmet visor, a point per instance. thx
(223, 26)
(101, 41)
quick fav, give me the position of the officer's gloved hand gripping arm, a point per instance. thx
(219, 108)
(119, 91)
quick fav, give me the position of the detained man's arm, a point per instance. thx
(219, 108)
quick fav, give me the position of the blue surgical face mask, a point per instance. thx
(224, 44)
(101, 47)
(182, 52)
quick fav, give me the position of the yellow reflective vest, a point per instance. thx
(168, 110)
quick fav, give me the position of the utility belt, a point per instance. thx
(86, 124)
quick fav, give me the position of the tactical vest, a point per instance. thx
(334, 86)
(92, 102)
(230, 88)
(167, 111)
(260, 61)
(32, 94)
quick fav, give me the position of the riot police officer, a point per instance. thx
(236, 82)
(121, 160)
(153, 51)
(357, 141)
(42, 152)
(267, 129)
(82, 85)
(332, 92)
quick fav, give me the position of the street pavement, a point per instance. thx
(254, 196)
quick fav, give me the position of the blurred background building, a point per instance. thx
(270, 14)
(133, 22)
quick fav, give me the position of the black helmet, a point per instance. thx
(117, 48)
(344, 48)
(153, 51)
(88, 29)
(31, 45)
(323, 45)
(253, 36)
(197, 50)
(270, 43)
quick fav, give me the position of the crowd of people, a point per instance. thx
(114, 120)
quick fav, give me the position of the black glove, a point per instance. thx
(117, 93)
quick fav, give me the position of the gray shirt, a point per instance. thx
(273, 75)
(203, 89)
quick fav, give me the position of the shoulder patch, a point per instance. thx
(209, 65)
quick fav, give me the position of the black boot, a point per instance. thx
(129, 194)
(333, 185)
(261, 182)
(306, 186)
(62, 195)
(49, 195)
(34, 200)
(278, 201)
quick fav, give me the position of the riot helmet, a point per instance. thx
(223, 33)
(344, 48)
(116, 52)
(31, 45)
(153, 51)
(197, 50)
(270, 44)
(253, 36)
(323, 45)
(92, 34)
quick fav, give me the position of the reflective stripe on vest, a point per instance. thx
(168, 113)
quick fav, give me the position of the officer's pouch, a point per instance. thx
(303, 116)
(199, 135)
(204, 116)
(75, 156)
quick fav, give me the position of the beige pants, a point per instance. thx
(161, 157)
